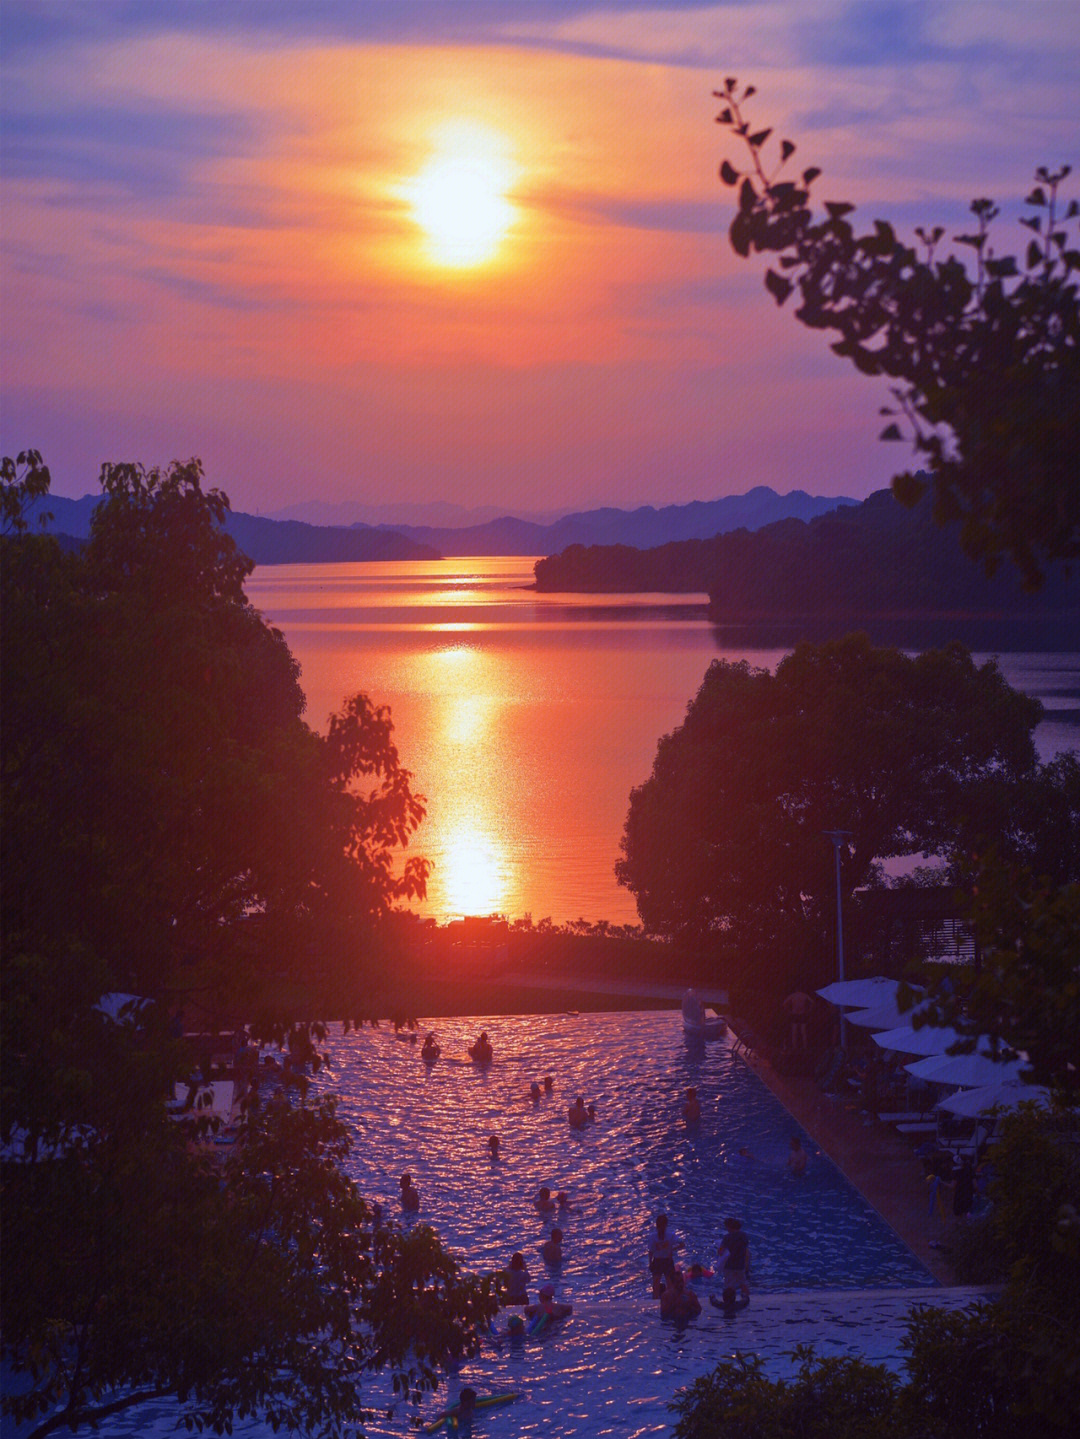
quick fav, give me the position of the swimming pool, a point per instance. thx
(813, 1232)
(826, 1269)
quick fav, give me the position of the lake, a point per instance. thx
(527, 718)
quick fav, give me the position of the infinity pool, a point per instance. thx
(825, 1268)
(813, 1232)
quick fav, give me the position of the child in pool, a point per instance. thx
(547, 1305)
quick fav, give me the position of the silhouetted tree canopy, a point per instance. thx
(173, 829)
(986, 356)
(910, 755)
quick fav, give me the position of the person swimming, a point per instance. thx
(482, 1051)
(431, 1051)
(534, 1092)
(677, 1299)
(729, 1302)
(548, 1305)
(410, 1197)
(551, 1249)
(493, 1148)
(549, 1084)
(562, 1199)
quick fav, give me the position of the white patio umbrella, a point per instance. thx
(887, 1015)
(1009, 1094)
(929, 1040)
(121, 1008)
(860, 993)
(967, 1070)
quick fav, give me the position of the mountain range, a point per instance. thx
(289, 541)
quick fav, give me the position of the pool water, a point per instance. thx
(825, 1268)
(811, 1232)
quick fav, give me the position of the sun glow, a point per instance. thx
(459, 198)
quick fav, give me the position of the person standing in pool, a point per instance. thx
(691, 1110)
(796, 1160)
(543, 1201)
(410, 1197)
(516, 1281)
(577, 1114)
(734, 1249)
(662, 1249)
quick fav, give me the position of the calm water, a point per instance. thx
(526, 719)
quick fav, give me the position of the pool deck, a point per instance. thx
(881, 1164)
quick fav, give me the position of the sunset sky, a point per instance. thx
(473, 251)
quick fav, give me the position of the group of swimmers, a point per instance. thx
(670, 1285)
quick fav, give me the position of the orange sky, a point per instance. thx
(210, 245)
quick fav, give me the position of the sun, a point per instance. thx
(459, 198)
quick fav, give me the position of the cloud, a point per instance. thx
(143, 152)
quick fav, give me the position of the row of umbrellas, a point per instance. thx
(985, 1083)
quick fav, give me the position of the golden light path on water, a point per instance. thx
(526, 718)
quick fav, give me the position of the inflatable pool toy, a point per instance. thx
(695, 1024)
(449, 1416)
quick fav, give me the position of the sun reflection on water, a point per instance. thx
(472, 871)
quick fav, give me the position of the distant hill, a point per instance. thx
(275, 541)
(267, 542)
(643, 527)
(436, 513)
(875, 559)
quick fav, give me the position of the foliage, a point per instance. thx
(966, 1372)
(726, 837)
(169, 813)
(985, 358)
(827, 1399)
(275, 1287)
(174, 829)
(20, 489)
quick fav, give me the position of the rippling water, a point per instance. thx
(825, 1268)
(639, 1157)
(528, 718)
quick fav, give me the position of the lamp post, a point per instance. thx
(839, 837)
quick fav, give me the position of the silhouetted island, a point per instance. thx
(876, 559)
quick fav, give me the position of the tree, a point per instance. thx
(173, 828)
(169, 810)
(986, 359)
(726, 836)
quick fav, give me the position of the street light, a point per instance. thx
(839, 837)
